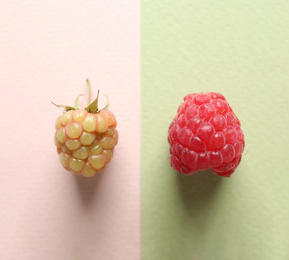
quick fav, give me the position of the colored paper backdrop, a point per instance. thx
(47, 50)
(238, 48)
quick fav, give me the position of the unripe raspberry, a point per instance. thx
(205, 134)
(85, 139)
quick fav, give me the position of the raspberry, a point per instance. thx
(85, 138)
(205, 134)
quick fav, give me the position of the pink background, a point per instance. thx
(47, 51)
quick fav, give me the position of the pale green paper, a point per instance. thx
(240, 49)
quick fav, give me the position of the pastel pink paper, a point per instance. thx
(47, 50)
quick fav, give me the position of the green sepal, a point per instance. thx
(93, 106)
(76, 100)
(66, 108)
(107, 104)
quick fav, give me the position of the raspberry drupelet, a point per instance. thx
(85, 138)
(205, 134)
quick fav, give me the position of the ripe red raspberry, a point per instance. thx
(205, 134)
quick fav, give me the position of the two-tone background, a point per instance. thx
(145, 56)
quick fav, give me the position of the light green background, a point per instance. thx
(240, 49)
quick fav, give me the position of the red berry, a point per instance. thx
(205, 134)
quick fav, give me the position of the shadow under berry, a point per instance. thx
(87, 187)
(197, 190)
